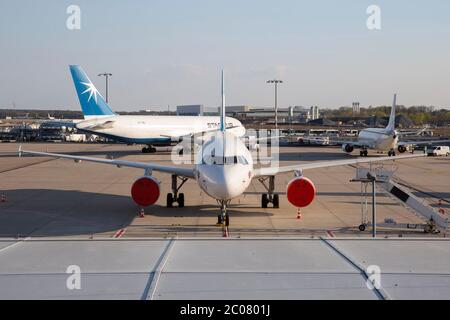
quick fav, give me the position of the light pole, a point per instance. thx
(276, 82)
(106, 75)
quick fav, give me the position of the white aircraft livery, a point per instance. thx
(381, 139)
(146, 130)
(224, 169)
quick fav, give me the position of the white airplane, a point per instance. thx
(224, 169)
(147, 130)
(381, 139)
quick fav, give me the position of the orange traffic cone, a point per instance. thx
(225, 232)
(441, 210)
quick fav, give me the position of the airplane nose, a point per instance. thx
(230, 187)
(224, 183)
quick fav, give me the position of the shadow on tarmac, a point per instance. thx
(52, 213)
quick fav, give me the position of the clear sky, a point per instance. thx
(170, 52)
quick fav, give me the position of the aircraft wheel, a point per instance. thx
(366, 153)
(219, 219)
(145, 150)
(169, 200)
(181, 200)
(227, 220)
(362, 227)
(276, 201)
(264, 201)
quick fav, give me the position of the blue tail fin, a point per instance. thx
(91, 101)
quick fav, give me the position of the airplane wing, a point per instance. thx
(270, 171)
(403, 143)
(354, 143)
(185, 172)
(409, 133)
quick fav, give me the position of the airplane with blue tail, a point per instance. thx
(151, 131)
(224, 169)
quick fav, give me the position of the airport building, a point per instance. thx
(190, 110)
(356, 108)
(314, 112)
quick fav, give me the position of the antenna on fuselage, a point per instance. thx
(222, 108)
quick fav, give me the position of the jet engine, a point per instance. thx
(145, 191)
(401, 148)
(301, 192)
(347, 148)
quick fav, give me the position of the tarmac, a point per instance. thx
(48, 197)
(233, 269)
(71, 231)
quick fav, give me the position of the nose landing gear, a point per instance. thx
(175, 196)
(223, 218)
(391, 153)
(363, 152)
(269, 197)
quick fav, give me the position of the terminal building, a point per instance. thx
(190, 110)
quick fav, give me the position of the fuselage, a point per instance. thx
(378, 139)
(224, 166)
(154, 129)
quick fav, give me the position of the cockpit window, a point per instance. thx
(220, 160)
(242, 160)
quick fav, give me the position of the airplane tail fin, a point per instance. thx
(222, 109)
(92, 103)
(391, 124)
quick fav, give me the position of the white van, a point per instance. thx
(439, 151)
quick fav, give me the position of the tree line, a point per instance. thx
(420, 115)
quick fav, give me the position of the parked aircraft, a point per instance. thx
(147, 130)
(381, 139)
(224, 169)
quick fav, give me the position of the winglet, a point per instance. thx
(20, 151)
(391, 124)
(222, 109)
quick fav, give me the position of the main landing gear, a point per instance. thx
(269, 197)
(363, 152)
(175, 196)
(391, 153)
(149, 149)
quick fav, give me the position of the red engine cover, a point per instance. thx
(301, 192)
(145, 191)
